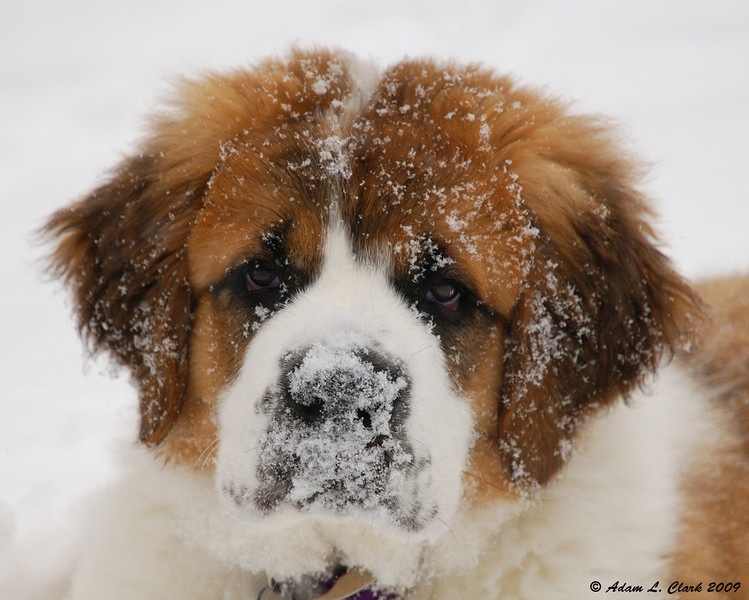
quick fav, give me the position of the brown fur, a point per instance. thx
(710, 549)
(124, 248)
(613, 302)
(537, 207)
(722, 356)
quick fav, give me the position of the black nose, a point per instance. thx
(336, 439)
(322, 384)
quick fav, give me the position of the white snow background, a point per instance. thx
(77, 76)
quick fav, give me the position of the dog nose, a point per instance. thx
(336, 438)
(356, 385)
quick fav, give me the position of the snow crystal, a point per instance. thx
(334, 158)
(556, 311)
(421, 252)
(455, 223)
(545, 340)
(485, 135)
(321, 86)
(151, 348)
(262, 313)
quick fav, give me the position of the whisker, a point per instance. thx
(417, 441)
(455, 537)
(481, 479)
(201, 461)
(475, 466)
(427, 347)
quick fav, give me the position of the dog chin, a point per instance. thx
(298, 545)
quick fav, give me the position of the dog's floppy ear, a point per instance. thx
(600, 306)
(122, 251)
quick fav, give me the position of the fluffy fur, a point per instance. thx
(404, 322)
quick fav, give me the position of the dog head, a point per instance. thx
(374, 297)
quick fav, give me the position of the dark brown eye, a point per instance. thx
(446, 293)
(261, 276)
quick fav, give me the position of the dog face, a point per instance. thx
(332, 409)
(385, 297)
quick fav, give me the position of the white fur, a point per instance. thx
(611, 516)
(366, 77)
(171, 532)
(348, 303)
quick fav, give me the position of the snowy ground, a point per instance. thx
(75, 77)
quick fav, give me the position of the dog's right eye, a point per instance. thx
(261, 276)
(445, 293)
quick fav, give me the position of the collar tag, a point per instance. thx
(347, 585)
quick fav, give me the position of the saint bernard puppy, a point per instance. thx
(403, 335)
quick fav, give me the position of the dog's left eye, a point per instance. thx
(445, 293)
(261, 276)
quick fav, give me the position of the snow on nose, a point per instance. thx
(336, 438)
